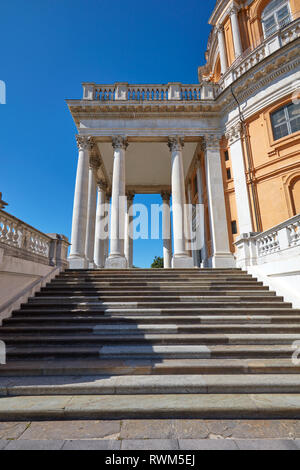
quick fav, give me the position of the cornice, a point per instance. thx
(259, 76)
(270, 68)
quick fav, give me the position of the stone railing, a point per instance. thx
(21, 240)
(257, 248)
(262, 49)
(149, 93)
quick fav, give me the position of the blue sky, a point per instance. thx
(48, 48)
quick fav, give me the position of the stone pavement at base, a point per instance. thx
(151, 434)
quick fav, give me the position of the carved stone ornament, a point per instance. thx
(165, 196)
(101, 185)
(119, 142)
(234, 133)
(175, 143)
(130, 196)
(211, 141)
(85, 142)
(94, 162)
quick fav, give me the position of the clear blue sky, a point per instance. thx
(48, 48)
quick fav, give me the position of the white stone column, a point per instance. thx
(106, 241)
(190, 227)
(129, 230)
(100, 234)
(181, 259)
(234, 137)
(236, 32)
(116, 259)
(166, 230)
(91, 212)
(221, 255)
(77, 258)
(201, 201)
(222, 48)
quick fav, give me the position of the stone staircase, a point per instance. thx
(211, 343)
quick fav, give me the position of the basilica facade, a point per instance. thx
(230, 143)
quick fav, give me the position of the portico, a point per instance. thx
(146, 141)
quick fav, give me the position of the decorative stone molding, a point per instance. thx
(85, 142)
(94, 163)
(175, 143)
(165, 196)
(2, 203)
(130, 196)
(234, 133)
(233, 10)
(101, 185)
(211, 141)
(119, 142)
(219, 28)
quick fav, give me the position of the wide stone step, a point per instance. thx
(181, 278)
(154, 284)
(76, 321)
(149, 339)
(150, 272)
(149, 384)
(123, 305)
(143, 366)
(145, 312)
(138, 329)
(137, 299)
(154, 351)
(201, 406)
(171, 292)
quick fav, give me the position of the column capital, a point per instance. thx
(85, 142)
(233, 10)
(219, 28)
(94, 163)
(165, 196)
(101, 185)
(119, 142)
(234, 133)
(130, 195)
(175, 143)
(211, 141)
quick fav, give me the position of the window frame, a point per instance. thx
(274, 14)
(287, 121)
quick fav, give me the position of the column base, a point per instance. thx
(78, 263)
(222, 260)
(116, 262)
(182, 262)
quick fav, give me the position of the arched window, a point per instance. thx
(295, 195)
(276, 15)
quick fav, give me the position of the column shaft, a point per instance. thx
(222, 49)
(201, 201)
(91, 212)
(236, 32)
(190, 226)
(180, 257)
(166, 230)
(221, 256)
(77, 256)
(116, 257)
(129, 231)
(100, 234)
(240, 184)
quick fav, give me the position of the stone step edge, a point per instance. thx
(231, 406)
(112, 367)
(147, 384)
